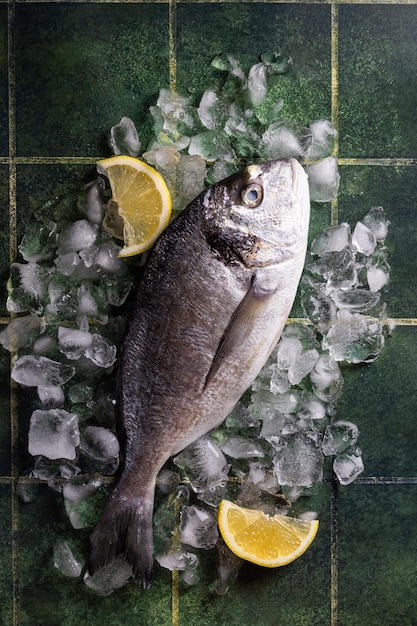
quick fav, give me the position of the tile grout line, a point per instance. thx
(334, 555)
(12, 256)
(334, 44)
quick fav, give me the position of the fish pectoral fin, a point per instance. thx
(245, 316)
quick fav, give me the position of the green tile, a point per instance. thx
(245, 31)
(5, 556)
(394, 188)
(380, 398)
(81, 67)
(295, 595)
(48, 597)
(377, 81)
(4, 137)
(377, 555)
(4, 236)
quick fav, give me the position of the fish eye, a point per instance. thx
(252, 195)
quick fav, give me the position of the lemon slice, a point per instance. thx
(141, 199)
(267, 541)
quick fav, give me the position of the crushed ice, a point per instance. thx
(66, 292)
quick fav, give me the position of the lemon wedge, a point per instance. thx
(258, 538)
(140, 207)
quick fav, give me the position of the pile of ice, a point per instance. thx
(66, 293)
(237, 121)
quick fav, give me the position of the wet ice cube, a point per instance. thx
(101, 351)
(34, 278)
(354, 338)
(310, 407)
(288, 351)
(51, 397)
(300, 463)
(91, 202)
(35, 371)
(65, 559)
(323, 180)
(239, 447)
(302, 366)
(77, 494)
(100, 444)
(198, 527)
(377, 222)
(279, 382)
(326, 379)
(332, 239)
(257, 87)
(77, 236)
(204, 463)
(21, 332)
(363, 239)
(339, 436)
(227, 569)
(73, 342)
(323, 138)
(53, 434)
(212, 145)
(284, 139)
(66, 264)
(212, 110)
(348, 465)
(38, 242)
(318, 306)
(378, 270)
(107, 258)
(124, 138)
(110, 577)
(355, 300)
(179, 559)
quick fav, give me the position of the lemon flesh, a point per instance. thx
(142, 199)
(258, 538)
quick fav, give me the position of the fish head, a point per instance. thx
(260, 215)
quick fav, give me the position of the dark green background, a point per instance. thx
(74, 69)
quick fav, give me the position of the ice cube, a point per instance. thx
(65, 559)
(101, 351)
(66, 264)
(257, 87)
(212, 110)
(101, 447)
(302, 366)
(53, 434)
(91, 202)
(27, 492)
(227, 568)
(107, 258)
(355, 300)
(239, 447)
(34, 371)
(284, 139)
(204, 463)
(77, 236)
(332, 239)
(279, 382)
(34, 278)
(300, 464)
(38, 243)
(363, 239)
(323, 180)
(178, 560)
(51, 397)
(323, 139)
(348, 465)
(339, 436)
(73, 342)
(354, 338)
(76, 496)
(124, 138)
(318, 306)
(377, 222)
(198, 527)
(110, 577)
(326, 379)
(288, 351)
(21, 332)
(310, 407)
(212, 145)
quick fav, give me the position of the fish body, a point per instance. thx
(216, 293)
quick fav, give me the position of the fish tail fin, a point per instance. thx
(125, 527)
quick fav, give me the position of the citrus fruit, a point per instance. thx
(268, 541)
(140, 198)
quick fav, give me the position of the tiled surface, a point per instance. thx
(74, 70)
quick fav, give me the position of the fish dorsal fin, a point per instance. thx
(243, 319)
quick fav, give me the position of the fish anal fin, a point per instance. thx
(245, 316)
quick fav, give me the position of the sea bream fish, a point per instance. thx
(216, 293)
